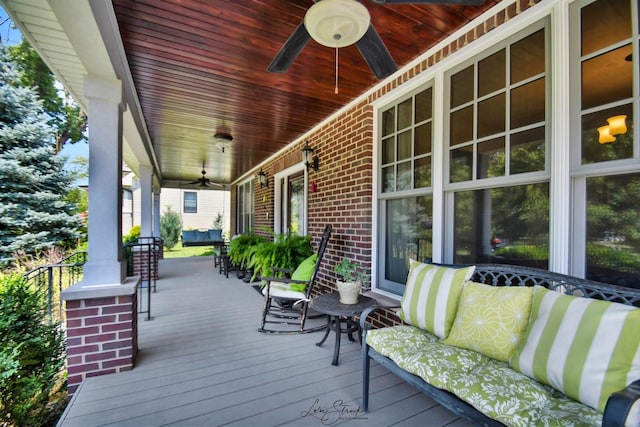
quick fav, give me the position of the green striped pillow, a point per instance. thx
(583, 347)
(431, 295)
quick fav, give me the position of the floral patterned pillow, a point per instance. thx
(491, 319)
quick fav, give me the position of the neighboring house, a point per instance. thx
(197, 208)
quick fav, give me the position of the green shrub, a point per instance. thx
(523, 252)
(618, 259)
(133, 235)
(31, 357)
(170, 228)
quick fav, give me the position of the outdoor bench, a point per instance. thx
(534, 348)
(202, 238)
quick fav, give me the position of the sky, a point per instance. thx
(9, 35)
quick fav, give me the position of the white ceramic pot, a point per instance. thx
(348, 291)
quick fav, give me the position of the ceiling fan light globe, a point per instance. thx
(337, 23)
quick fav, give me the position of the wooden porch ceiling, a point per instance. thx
(199, 67)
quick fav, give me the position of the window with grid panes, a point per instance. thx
(405, 194)
(497, 154)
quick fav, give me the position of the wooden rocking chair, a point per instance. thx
(286, 299)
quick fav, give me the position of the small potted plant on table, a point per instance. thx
(352, 277)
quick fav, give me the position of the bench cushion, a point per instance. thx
(583, 347)
(491, 319)
(490, 386)
(215, 235)
(188, 235)
(431, 295)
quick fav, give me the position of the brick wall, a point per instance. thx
(145, 262)
(101, 337)
(344, 183)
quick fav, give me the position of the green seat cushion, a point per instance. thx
(431, 295)
(303, 273)
(387, 341)
(584, 347)
(490, 386)
(491, 319)
(517, 400)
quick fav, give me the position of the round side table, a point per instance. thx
(339, 314)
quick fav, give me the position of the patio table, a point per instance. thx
(337, 314)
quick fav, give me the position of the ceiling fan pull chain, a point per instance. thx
(336, 91)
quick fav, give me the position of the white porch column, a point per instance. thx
(105, 265)
(146, 206)
(156, 212)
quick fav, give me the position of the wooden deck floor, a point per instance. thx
(203, 363)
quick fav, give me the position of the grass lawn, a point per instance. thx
(179, 252)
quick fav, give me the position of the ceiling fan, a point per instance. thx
(203, 181)
(340, 23)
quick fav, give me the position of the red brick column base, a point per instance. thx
(102, 330)
(145, 262)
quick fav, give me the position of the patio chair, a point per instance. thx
(286, 299)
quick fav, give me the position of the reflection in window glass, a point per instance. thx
(504, 104)
(607, 78)
(404, 145)
(245, 207)
(422, 172)
(405, 227)
(621, 148)
(461, 164)
(527, 104)
(613, 221)
(388, 122)
(422, 144)
(491, 116)
(405, 114)
(508, 225)
(604, 23)
(491, 73)
(296, 205)
(423, 106)
(527, 57)
(461, 123)
(388, 151)
(462, 87)
(388, 176)
(404, 179)
(527, 152)
(491, 158)
(408, 227)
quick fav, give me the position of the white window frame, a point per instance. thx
(280, 220)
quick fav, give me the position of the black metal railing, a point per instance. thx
(54, 278)
(142, 257)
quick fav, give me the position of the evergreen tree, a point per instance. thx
(33, 212)
(170, 227)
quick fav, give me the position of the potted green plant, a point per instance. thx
(285, 251)
(241, 248)
(352, 277)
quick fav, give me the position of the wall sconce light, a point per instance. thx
(262, 179)
(309, 159)
(604, 135)
(617, 126)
